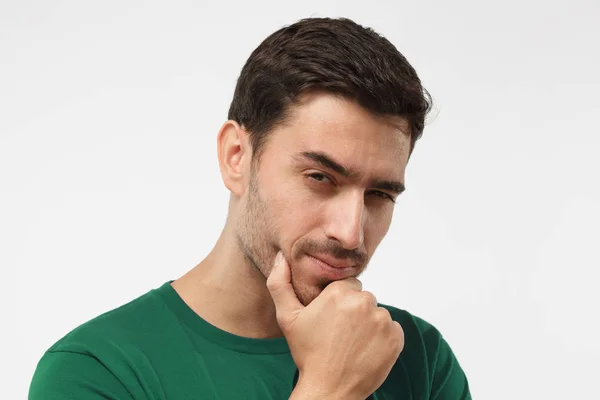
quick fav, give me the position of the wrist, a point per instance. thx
(306, 390)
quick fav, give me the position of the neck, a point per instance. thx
(229, 293)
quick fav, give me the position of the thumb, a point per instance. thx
(279, 284)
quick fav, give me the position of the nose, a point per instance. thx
(346, 220)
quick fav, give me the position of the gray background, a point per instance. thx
(110, 184)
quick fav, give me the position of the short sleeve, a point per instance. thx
(449, 379)
(69, 375)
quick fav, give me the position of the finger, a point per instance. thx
(342, 288)
(399, 333)
(352, 283)
(370, 297)
(279, 284)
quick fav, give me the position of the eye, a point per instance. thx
(319, 177)
(383, 195)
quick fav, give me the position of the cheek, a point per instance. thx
(295, 217)
(376, 228)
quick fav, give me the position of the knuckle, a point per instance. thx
(271, 284)
(336, 289)
(273, 287)
(355, 282)
(398, 335)
(367, 298)
(383, 315)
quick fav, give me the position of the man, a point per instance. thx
(323, 121)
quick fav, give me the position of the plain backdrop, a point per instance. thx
(110, 185)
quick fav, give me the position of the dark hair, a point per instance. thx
(337, 56)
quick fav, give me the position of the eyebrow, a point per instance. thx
(327, 162)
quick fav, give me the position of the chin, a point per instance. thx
(307, 293)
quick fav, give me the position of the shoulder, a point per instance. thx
(95, 359)
(413, 326)
(120, 325)
(423, 342)
(427, 352)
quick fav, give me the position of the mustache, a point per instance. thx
(336, 251)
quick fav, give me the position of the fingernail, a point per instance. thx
(278, 258)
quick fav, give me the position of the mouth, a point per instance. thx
(333, 262)
(331, 268)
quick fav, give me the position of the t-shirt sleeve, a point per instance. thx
(70, 375)
(449, 379)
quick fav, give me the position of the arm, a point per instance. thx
(449, 380)
(70, 375)
(305, 392)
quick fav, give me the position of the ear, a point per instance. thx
(235, 153)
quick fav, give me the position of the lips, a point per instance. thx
(337, 270)
(333, 262)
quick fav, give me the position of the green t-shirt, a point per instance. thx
(156, 347)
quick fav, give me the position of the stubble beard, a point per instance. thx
(257, 237)
(252, 228)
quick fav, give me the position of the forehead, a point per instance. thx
(349, 133)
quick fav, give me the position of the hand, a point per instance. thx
(343, 344)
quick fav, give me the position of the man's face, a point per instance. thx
(323, 192)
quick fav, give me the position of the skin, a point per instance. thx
(292, 201)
